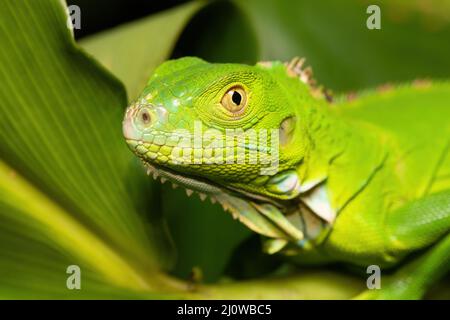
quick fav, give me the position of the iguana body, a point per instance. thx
(363, 181)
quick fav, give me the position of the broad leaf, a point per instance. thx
(67, 177)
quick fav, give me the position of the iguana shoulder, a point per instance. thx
(417, 119)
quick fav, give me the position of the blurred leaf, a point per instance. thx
(133, 50)
(229, 36)
(33, 266)
(65, 171)
(204, 235)
(305, 285)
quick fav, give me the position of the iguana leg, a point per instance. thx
(416, 226)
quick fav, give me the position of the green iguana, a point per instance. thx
(364, 181)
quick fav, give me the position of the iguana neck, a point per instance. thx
(324, 137)
(334, 146)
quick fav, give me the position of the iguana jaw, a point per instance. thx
(271, 218)
(202, 186)
(258, 213)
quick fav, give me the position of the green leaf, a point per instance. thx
(133, 50)
(65, 170)
(204, 235)
(229, 36)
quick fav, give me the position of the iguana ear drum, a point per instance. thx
(287, 128)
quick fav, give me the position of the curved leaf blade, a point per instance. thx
(60, 120)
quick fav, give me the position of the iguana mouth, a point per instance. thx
(203, 186)
(248, 208)
(194, 183)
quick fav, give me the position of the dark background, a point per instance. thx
(99, 15)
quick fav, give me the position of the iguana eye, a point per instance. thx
(235, 99)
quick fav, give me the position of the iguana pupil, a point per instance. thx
(236, 98)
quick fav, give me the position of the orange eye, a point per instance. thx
(235, 99)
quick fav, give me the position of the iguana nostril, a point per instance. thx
(138, 120)
(146, 118)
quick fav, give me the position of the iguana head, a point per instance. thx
(228, 131)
